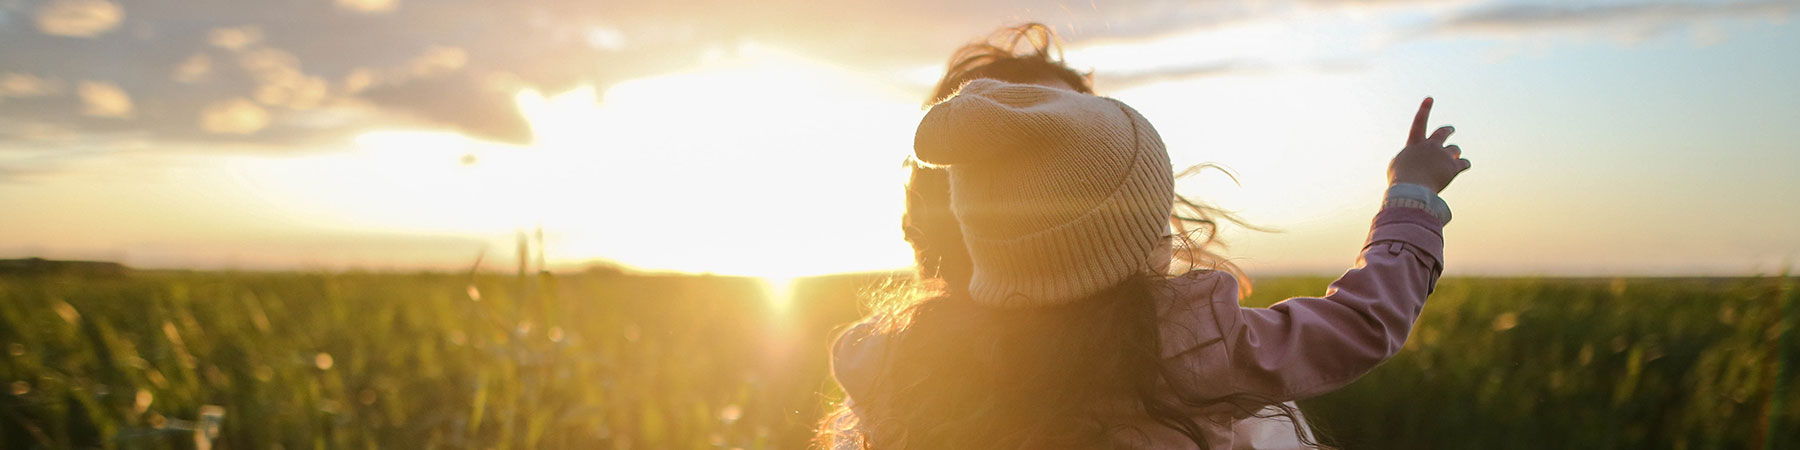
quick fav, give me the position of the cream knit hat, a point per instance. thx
(1060, 194)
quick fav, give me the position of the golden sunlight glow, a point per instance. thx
(779, 290)
(405, 181)
(760, 162)
(766, 163)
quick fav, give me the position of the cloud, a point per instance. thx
(102, 99)
(21, 85)
(78, 18)
(39, 131)
(369, 6)
(298, 93)
(478, 106)
(358, 79)
(1123, 80)
(237, 116)
(193, 70)
(234, 38)
(280, 82)
(267, 64)
(1508, 19)
(437, 60)
(16, 174)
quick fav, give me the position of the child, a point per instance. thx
(1068, 337)
(1030, 53)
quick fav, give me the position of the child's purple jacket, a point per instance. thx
(1299, 348)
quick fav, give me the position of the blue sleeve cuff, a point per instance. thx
(1408, 195)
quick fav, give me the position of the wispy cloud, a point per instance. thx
(102, 99)
(12, 174)
(1181, 72)
(78, 18)
(1508, 19)
(194, 69)
(22, 85)
(369, 6)
(234, 38)
(238, 116)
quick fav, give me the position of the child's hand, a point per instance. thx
(1426, 161)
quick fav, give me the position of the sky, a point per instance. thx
(766, 138)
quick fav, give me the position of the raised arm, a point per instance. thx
(1308, 346)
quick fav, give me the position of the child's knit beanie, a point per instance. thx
(1060, 195)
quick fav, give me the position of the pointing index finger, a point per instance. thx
(1419, 121)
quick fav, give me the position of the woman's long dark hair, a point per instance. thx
(961, 375)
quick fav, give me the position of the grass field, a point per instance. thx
(603, 360)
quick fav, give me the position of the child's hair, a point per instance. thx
(1004, 56)
(964, 375)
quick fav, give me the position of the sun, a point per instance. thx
(759, 163)
(779, 289)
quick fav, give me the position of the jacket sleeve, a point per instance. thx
(1306, 346)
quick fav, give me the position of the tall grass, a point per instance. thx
(602, 360)
(1592, 364)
